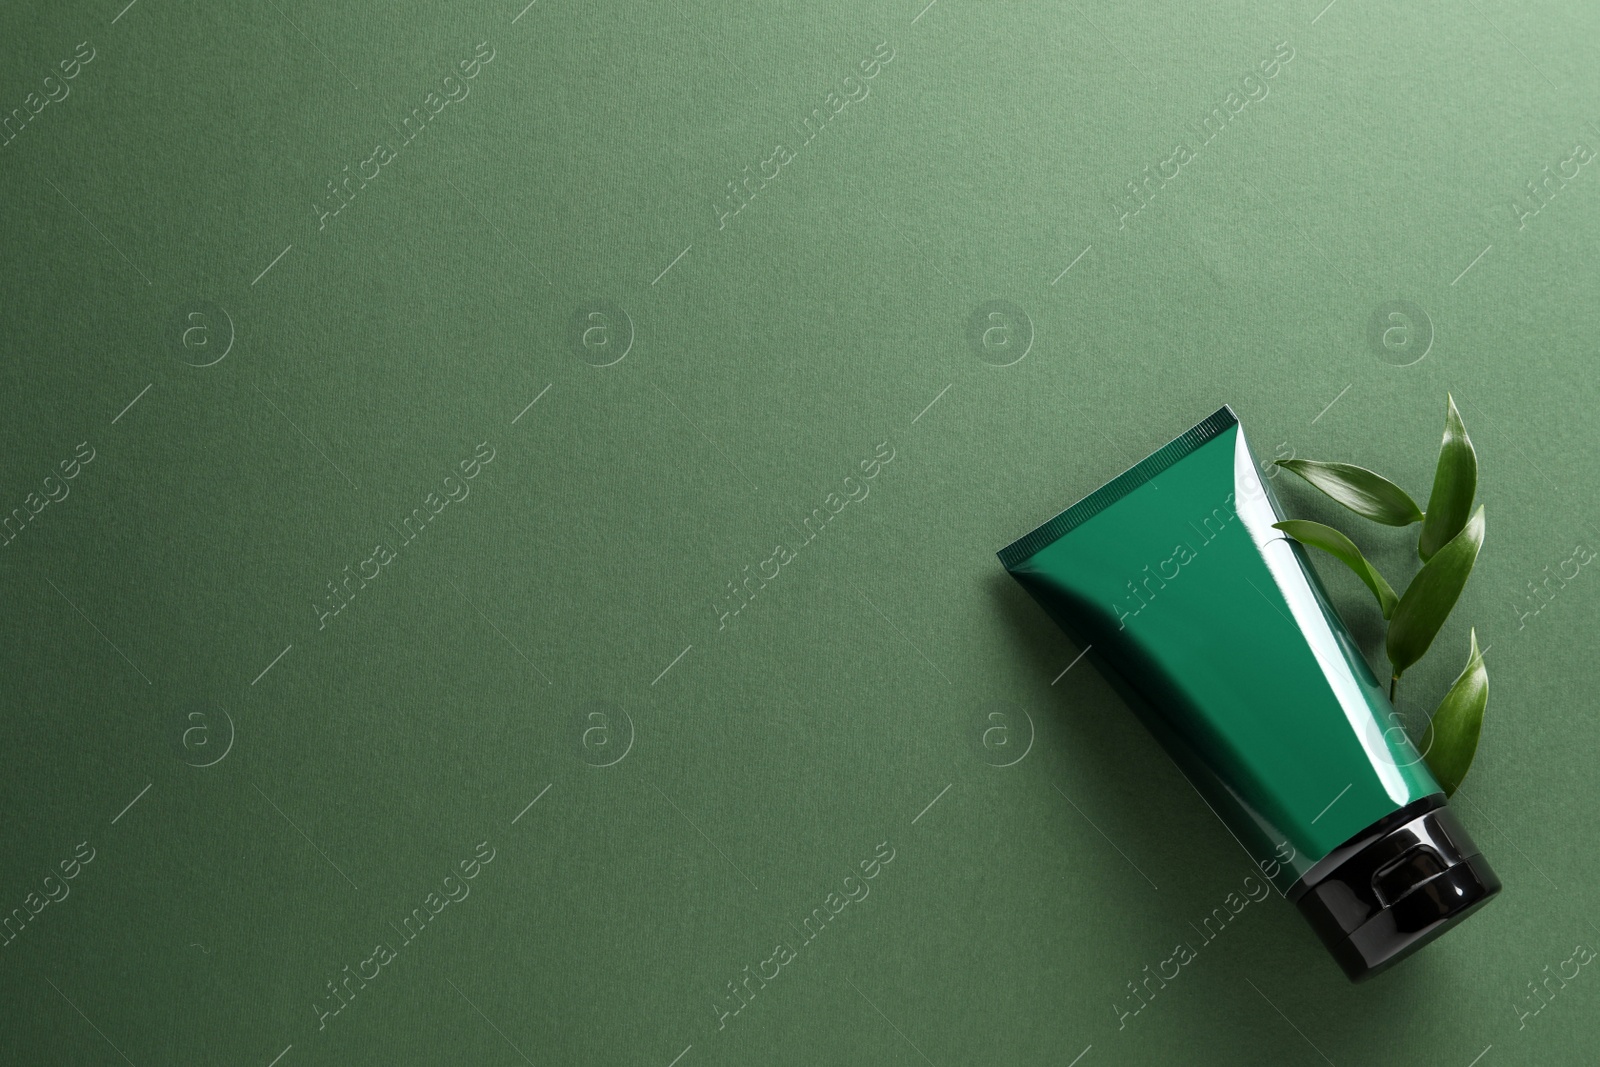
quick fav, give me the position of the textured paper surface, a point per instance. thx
(397, 395)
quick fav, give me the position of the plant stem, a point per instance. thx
(1393, 681)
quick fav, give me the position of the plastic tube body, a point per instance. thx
(1221, 637)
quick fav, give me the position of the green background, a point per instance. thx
(163, 611)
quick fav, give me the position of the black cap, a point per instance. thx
(1394, 887)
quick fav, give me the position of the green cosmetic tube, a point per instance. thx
(1220, 636)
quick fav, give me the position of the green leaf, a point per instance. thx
(1454, 483)
(1372, 496)
(1342, 548)
(1432, 593)
(1458, 721)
